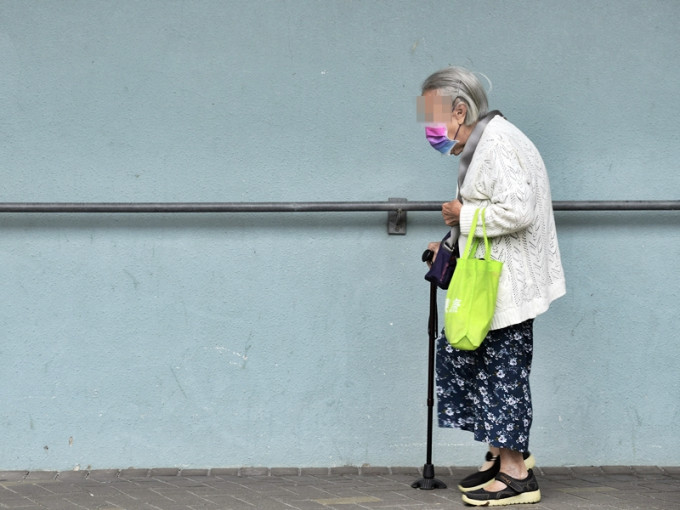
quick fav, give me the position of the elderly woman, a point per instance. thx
(486, 391)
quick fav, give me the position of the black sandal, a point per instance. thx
(517, 492)
(481, 479)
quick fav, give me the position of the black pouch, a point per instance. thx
(444, 263)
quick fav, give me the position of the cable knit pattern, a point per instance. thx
(508, 177)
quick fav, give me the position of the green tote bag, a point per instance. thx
(471, 297)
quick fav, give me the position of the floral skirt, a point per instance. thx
(487, 391)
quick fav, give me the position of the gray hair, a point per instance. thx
(459, 83)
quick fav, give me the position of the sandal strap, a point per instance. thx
(490, 458)
(516, 485)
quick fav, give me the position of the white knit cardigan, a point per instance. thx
(508, 177)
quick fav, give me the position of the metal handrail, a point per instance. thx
(396, 207)
(262, 207)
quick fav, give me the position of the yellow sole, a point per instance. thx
(520, 499)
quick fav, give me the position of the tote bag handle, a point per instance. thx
(473, 242)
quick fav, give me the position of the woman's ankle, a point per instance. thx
(512, 464)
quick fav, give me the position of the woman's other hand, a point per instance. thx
(434, 247)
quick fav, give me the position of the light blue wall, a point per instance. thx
(300, 340)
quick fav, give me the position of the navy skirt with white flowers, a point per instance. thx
(486, 391)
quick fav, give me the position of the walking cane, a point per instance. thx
(428, 481)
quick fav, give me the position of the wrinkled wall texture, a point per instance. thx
(300, 339)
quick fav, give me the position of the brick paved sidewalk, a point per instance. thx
(640, 488)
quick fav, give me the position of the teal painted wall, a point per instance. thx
(300, 340)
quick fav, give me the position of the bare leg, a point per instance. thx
(512, 464)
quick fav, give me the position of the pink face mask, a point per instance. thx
(437, 135)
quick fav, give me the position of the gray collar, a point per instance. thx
(471, 145)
